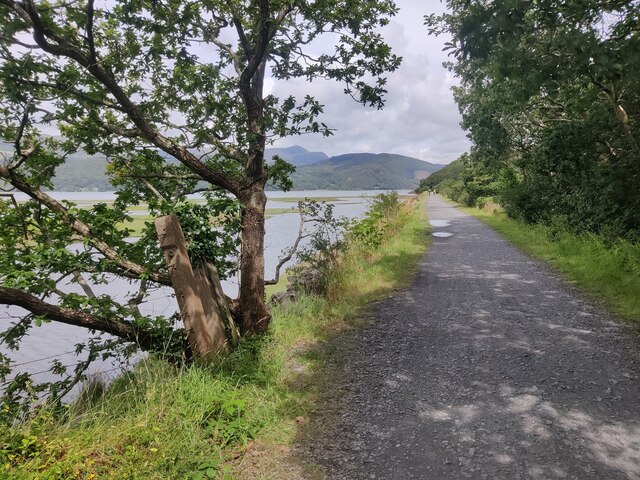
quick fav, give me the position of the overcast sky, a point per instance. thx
(420, 119)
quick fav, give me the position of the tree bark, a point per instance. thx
(623, 120)
(255, 315)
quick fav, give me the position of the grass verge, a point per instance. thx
(608, 271)
(237, 419)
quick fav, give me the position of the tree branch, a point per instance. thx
(78, 93)
(292, 251)
(237, 65)
(63, 48)
(115, 326)
(22, 154)
(81, 228)
(92, 46)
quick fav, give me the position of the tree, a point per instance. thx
(173, 94)
(549, 95)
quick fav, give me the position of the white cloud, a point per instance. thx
(420, 118)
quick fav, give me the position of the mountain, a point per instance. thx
(363, 171)
(295, 155)
(453, 172)
(315, 170)
(81, 172)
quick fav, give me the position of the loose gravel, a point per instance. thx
(489, 367)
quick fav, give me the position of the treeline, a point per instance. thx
(550, 95)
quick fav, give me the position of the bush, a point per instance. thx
(384, 217)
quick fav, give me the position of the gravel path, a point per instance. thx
(488, 367)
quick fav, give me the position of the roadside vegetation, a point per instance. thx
(174, 96)
(212, 421)
(549, 96)
(608, 270)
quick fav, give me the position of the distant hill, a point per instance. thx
(453, 172)
(363, 171)
(82, 173)
(315, 170)
(295, 155)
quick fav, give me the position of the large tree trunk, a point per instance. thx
(255, 315)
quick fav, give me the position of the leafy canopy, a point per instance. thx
(173, 94)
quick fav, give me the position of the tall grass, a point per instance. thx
(610, 271)
(235, 419)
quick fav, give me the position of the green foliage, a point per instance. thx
(381, 221)
(464, 181)
(451, 171)
(331, 238)
(211, 230)
(155, 89)
(193, 422)
(549, 95)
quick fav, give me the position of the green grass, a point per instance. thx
(237, 419)
(609, 272)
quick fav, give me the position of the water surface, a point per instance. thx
(56, 340)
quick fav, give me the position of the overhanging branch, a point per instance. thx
(81, 228)
(114, 326)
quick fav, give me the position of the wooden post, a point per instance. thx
(199, 312)
(209, 275)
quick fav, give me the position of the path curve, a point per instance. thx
(488, 367)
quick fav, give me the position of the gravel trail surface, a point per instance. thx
(489, 367)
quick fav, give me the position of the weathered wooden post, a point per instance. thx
(200, 314)
(207, 276)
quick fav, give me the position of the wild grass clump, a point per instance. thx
(197, 422)
(608, 269)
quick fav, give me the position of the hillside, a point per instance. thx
(363, 171)
(315, 170)
(453, 171)
(82, 173)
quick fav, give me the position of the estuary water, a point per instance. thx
(56, 340)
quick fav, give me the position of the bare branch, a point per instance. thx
(237, 64)
(153, 190)
(134, 302)
(27, 236)
(80, 280)
(291, 252)
(118, 130)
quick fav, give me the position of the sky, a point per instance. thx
(420, 118)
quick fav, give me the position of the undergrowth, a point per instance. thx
(199, 422)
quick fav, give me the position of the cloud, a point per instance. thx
(420, 118)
